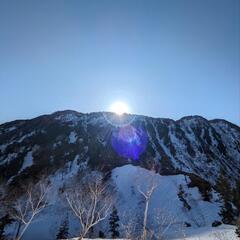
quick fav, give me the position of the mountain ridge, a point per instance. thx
(178, 145)
(140, 115)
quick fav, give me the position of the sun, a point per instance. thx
(119, 108)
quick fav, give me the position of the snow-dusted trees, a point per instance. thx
(28, 206)
(90, 200)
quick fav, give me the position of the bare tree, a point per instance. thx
(163, 221)
(150, 187)
(129, 229)
(28, 206)
(129, 225)
(91, 201)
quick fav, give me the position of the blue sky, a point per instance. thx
(167, 58)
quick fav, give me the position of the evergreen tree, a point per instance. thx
(227, 213)
(181, 196)
(91, 232)
(224, 188)
(101, 234)
(238, 227)
(3, 222)
(236, 196)
(113, 222)
(63, 230)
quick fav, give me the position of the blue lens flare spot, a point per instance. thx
(129, 142)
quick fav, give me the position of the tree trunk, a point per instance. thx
(144, 235)
(21, 234)
(18, 229)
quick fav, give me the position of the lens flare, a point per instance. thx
(129, 142)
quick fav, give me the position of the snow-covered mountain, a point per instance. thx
(188, 156)
(191, 144)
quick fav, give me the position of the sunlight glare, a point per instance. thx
(119, 108)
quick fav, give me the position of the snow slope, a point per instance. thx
(165, 199)
(130, 205)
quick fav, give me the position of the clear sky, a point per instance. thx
(164, 58)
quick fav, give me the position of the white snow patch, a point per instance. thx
(9, 158)
(99, 120)
(55, 145)
(223, 232)
(3, 147)
(11, 129)
(157, 155)
(72, 137)
(71, 118)
(28, 161)
(161, 143)
(26, 136)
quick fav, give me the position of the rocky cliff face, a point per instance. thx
(104, 140)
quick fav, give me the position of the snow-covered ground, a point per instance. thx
(165, 199)
(224, 232)
(165, 203)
